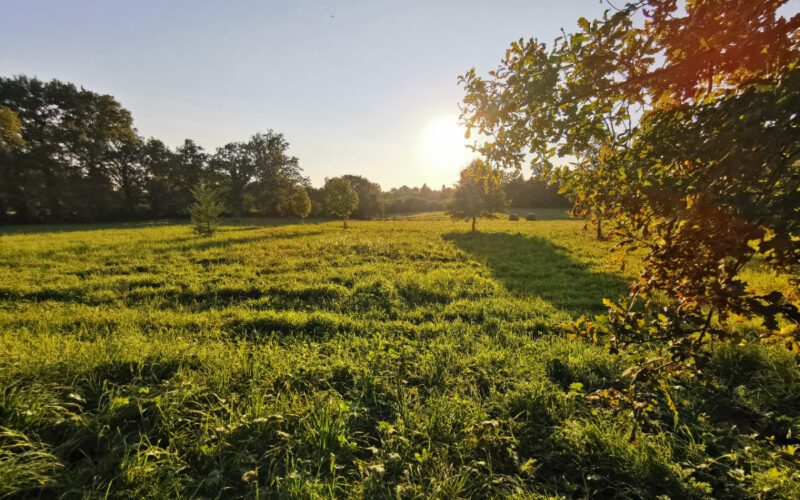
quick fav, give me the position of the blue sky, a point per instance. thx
(354, 86)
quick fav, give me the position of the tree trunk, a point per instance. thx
(344, 222)
(599, 227)
(51, 193)
(473, 223)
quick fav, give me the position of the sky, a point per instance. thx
(356, 87)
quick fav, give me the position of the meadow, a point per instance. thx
(403, 358)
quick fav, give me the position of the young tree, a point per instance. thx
(206, 209)
(300, 203)
(340, 198)
(479, 193)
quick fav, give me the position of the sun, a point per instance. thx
(443, 147)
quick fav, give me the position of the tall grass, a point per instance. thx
(404, 358)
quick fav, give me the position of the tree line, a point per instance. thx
(71, 154)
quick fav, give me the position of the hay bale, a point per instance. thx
(513, 217)
(531, 216)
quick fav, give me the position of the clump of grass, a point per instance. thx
(25, 465)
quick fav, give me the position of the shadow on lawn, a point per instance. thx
(228, 224)
(531, 266)
(197, 243)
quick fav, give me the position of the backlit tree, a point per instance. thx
(479, 193)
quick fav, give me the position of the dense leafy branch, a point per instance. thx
(683, 128)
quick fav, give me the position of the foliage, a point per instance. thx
(10, 130)
(685, 133)
(532, 192)
(69, 134)
(479, 193)
(69, 154)
(407, 358)
(422, 199)
(258, 173)
(370, 198)
(206, 209)
(340, 198)
(300, 203)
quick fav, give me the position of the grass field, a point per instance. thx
(405, 358)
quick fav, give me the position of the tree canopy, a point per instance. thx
(684, 130)
(370, 197)
(340, 198)
(300, 203)
(479, 193)
(257, 174)
(10, 130)
(67, 153)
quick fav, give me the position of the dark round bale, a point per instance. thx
(513, 217)
(531, 216)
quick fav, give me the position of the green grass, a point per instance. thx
(404, 358)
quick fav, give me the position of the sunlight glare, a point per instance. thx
(443, 146)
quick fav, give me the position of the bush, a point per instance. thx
(530, 216)
(513, 217)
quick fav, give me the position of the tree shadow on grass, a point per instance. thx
(227, 224)
(73, 227)
(530, 266)
(198, 243)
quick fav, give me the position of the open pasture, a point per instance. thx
(406, 358)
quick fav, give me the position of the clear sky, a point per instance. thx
(361, 87)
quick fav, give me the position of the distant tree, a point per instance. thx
(10, 141)
(275, 172)
(300, 203)
(126, 170)
(206, 209)
(10, 129)
(340, 198)
(479, 193)
(157, 163)
(424, 199)
(317, 196)
(235, 168)
(62, 172)
(370, 197)
(532, 192)
(188, 169)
